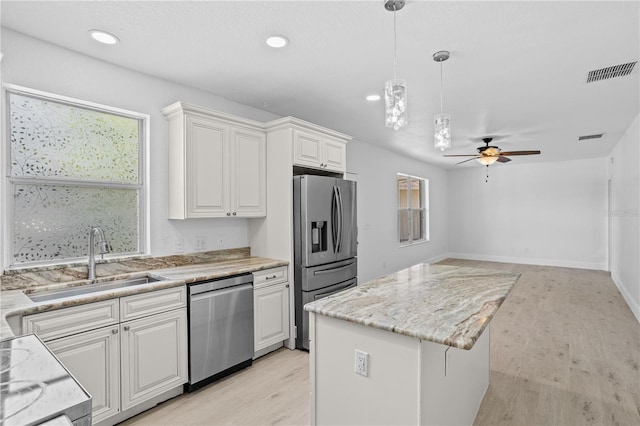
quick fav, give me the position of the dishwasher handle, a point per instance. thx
(206, 286)
(219, 292)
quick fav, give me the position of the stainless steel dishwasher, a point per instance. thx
(220, 328)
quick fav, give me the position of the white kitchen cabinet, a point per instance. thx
(124, 351)
(313, 149)
(271, 307)
(93, 357)
(217, 164)
(154, 356)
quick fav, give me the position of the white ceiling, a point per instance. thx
(517, 69)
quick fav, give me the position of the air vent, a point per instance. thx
(584, 138)
(611, 72)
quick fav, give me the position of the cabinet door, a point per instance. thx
(154, 356)
(248, 173)
(335, 155)
(93, 357)
(307, 149)
(207, 168)
(271, 316)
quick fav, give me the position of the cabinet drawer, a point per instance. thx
(64, 322)
(270, 276)
(141, 305)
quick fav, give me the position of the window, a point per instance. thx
(72, 165)
(413, 212)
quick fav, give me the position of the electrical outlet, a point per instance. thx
(179, 245)
(201, 243)
(362, 363)
(221, 243)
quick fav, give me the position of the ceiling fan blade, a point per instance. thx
(464, 161)
(520, 153)
(460, 155)
(502, 159)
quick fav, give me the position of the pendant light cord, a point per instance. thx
(441, 103)
(395, 42)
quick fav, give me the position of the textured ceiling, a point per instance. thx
(517, 69)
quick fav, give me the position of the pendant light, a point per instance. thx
(395, 91)
(442, 121)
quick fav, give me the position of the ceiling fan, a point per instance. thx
(488, 155)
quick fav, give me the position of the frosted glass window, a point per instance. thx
(413, 213)
(73, 166)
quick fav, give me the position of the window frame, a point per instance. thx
(411, 211)
(8, 181)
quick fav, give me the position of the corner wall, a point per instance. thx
(624, 217)
(375, 169)
(543, 213)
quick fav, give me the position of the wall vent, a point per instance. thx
(584, 138)
(611, 72)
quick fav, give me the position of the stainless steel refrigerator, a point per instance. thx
(325, 243)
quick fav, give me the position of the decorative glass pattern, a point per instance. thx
(52, 139)
(73, 166)
(53, 222)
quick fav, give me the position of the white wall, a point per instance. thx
(35, 64)
(375, 170)
(624, 216)
(544, 213)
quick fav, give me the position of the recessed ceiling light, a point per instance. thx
(277, 41)
(373, 98)
(103, 37)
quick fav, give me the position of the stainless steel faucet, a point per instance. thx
(104, 248)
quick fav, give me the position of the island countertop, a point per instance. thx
(450, 305)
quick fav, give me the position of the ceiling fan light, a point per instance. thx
(487, 161)
(442, 131)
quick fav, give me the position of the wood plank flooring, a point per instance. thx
(565, 350)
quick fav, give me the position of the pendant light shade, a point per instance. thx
(395, 91)
(442, 131)
(487, 161)
(395, 101)
(442, 121)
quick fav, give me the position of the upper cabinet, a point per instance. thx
(217, 164)
(313, 149)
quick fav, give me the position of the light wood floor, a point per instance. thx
(565, 350)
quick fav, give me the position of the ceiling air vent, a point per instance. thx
(611, 72)
(584, 138)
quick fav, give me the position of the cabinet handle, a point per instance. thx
(114, 331)
(321, 165)
(126, 328)
(234, 213)
(287, 286)
(270, 278)
(228, 214)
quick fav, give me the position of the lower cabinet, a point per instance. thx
(153, 356)
(93, 357)
(129, 362)
(271, 307)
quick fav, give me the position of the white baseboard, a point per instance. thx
(633, 305)
(598, 266)
(437, 258)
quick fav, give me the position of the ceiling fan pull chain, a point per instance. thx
(487, 178)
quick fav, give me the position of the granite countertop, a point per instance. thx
(443, 304)
(171, 270)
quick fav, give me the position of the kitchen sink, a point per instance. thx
(62, 293)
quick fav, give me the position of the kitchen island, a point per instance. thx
(408, 348)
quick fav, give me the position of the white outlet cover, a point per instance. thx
(362, 363)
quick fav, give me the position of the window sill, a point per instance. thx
(413, 243)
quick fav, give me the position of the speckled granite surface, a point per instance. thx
(443, 304)
(172, 270)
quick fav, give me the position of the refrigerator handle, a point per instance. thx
(340, 219)
(334, 219)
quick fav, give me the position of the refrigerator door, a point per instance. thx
(347, 246)
(315, 227)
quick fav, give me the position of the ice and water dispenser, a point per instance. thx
(318, 236)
